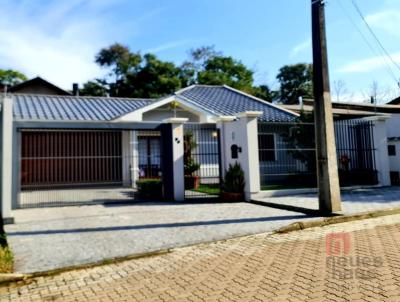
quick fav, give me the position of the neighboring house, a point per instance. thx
(343, 111)
(38, 86)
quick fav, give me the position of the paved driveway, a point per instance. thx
(49, 238)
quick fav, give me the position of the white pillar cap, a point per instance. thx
(176, 120)
(250, 114)
(226, 118)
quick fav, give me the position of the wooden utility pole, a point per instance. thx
(327, 171)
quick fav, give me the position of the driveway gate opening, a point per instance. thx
(68, 167)
(202, 159)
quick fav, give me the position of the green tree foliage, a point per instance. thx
(132, 74)
(94, 88)
(221, 70)
(154, 78)
(11, 77)
(295, 81)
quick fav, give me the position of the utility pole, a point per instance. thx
(327, 171)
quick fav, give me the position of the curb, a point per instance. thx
(301, 225)
(9, 278)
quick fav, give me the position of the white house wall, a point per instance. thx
(164, 112)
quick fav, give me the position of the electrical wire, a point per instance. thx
(373, 33)
(383, 58)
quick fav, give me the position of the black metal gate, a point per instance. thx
(202, 159)
(288, 156)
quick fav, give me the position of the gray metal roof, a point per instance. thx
(223, 100)
(73, 108)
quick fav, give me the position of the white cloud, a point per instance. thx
(167, 46)
(302, 47)
(387, 20)
(59, 40)
(368, 65)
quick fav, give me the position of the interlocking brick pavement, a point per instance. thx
(282, 267)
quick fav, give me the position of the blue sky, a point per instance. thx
(58, 39)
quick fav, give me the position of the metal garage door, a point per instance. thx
(54, 158)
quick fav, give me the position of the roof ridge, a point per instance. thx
(194, 86)
(83, 97)
(259, 100)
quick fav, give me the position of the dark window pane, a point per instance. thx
(267, 147)
(392, 150)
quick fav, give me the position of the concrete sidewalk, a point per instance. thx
(353, 201)
(289, 267)
(51, 238)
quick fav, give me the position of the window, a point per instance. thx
(266, 144)
(392, 150)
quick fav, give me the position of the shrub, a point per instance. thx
(6, 260)
(234, 179)
(149, 188)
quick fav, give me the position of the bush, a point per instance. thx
(6, 260)
(150, 188)
(234, 179)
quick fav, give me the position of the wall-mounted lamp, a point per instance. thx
(214, 134)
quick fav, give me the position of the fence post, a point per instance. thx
(381, 149)
(242, 132)
(6, 158)
(173, 161)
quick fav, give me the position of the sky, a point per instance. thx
(58, 39)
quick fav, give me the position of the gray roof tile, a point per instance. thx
(72, 108)
(223, 100)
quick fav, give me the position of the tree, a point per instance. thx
(340, 89)
(94, 88)
(119, 58)
(265, 92)
(221, 70)
(11, 77)
(295, 81)
(154, 78)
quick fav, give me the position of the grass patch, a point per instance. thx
(6, 260)
(212, 189)
(283, 187)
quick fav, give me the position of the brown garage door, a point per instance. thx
(65, 158)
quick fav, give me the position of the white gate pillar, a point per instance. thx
(381, 149)
(6, 158)
(242, 131)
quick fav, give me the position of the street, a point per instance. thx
(353, 261)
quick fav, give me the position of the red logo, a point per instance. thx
(337, 244)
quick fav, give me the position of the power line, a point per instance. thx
(373, 34)
(384, 59)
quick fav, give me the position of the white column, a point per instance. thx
(134, 160)
(243, 132)
(177, 155)
(381, 149)
(7, 157)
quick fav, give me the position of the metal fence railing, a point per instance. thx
(69, 167)
(202, 161)
(288, 156)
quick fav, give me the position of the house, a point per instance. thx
(61, 149)
(37, 85)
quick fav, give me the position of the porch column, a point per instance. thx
(173, 163)
(134, 160)
(242, 131)
(6, 152)
(381, 149)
